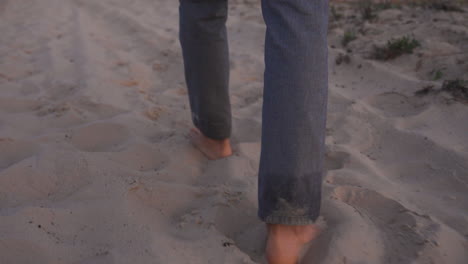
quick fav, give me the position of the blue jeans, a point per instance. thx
(294, 97)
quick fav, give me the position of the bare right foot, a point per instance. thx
(213, 149)
(285, 242)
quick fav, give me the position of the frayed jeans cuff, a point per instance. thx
(217, 131)
(288, 220)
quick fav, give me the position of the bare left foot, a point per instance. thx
(212, 148)
(285, 242)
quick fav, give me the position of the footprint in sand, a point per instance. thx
(404, 233)
(13, 151)
(239, 223)
(393, 104)
(61, 89)
(159, 136)
(140, 157)
(100, 137)
(82, 106)
(96, 110)
(336, 160)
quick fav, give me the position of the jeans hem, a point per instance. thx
(288, 220)
(218, 131)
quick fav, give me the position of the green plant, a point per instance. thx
(348, 37)
(436, 74)
(457, 88)
(395, 48)
(367, 10)
(441, 5)
(386, 5)
(334, 13)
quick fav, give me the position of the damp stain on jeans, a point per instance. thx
(285, 208)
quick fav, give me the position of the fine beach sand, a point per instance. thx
(96, 166)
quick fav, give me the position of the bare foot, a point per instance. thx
(285, 242)
(213, 149)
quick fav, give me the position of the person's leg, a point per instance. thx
(294, 116)
(203, 38)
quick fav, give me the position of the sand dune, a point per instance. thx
(96, 166)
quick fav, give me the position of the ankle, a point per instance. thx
(212, 148)
(225, 143)
(303, 233)
(225, 146)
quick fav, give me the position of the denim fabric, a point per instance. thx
(294, 98)
(204, 44)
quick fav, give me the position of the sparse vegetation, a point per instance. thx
(342, 58)
(446, 7)
(436, 74)
(395, 48)
(441, 5)
(334, 13)
(425, 91)
(369, 9)
(348, 37)
(457, 88)
(386, 5)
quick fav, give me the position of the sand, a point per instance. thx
(96, 166)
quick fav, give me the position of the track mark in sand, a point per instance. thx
(352, 128)
(247, 95)
(68, 172)
(13, 151)
(251, 97)
(97, 110)
(16, 105)
(61, 89)
(61, 114)
(168, 200)
(247, 130)
(403, 235)
(100, 137)
(336, 160)
(140, 157)
(112, 18)
(344, 177)
(52, 175)
(226, 213)
(393, 104)
(338, 103)
(77, 110)
(21, 252)
(55, 109)
(160, 136)
(238, 222)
